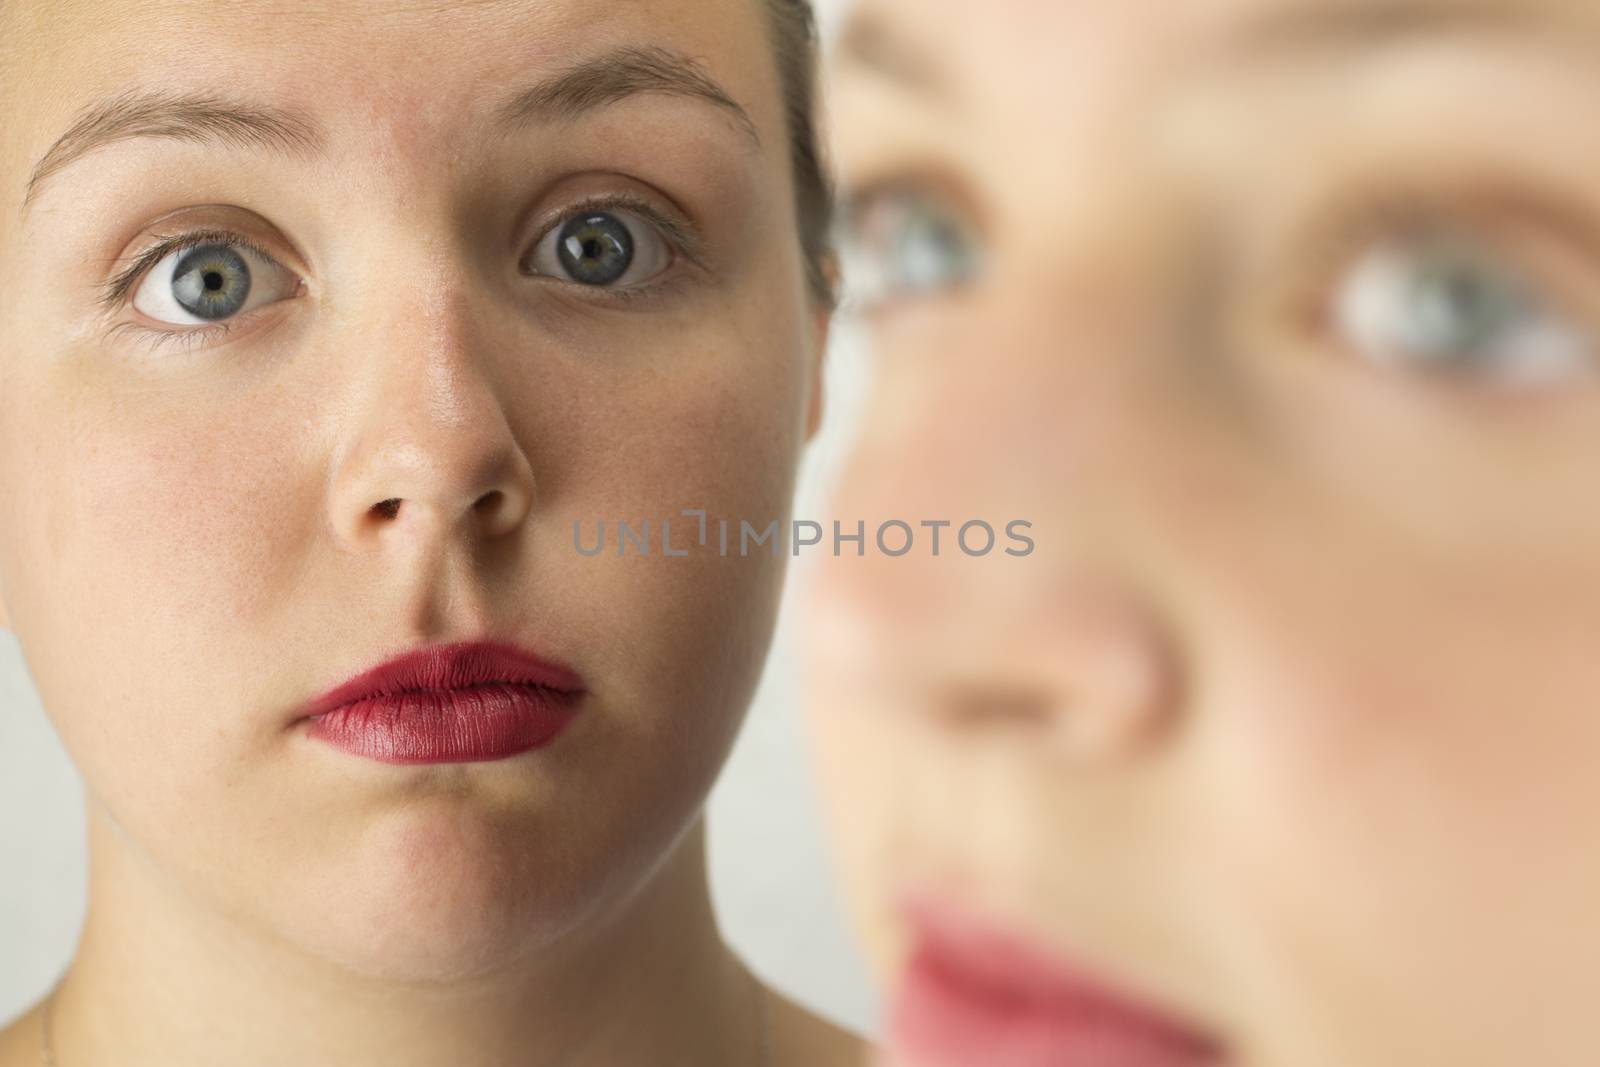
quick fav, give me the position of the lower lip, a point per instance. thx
(946, 1015)
(473, 724)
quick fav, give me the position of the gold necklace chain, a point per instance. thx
(47, 1043)
(47, 1036)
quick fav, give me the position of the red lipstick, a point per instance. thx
(458, 703)
(974, 996)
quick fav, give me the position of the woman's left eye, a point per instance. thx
(1446, 304)
(210, 282)
(611, 249)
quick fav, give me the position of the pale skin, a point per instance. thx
(1289, 725)
(196, 550)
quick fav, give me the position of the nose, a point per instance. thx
(1076, 663)
(428, 453)
(1070, 647)
(1087, 673)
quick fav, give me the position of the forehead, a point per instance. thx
(457, 32)
(1056, 82)
(408, 71)
(1079, 44)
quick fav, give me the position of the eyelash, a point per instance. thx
(116, 291)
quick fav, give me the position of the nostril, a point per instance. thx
(490, 501)
(980, 705)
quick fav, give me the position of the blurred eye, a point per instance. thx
(901, 245)
(1445, 304)
(613, 249)
(209, 282)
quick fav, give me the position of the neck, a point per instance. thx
(160, 979)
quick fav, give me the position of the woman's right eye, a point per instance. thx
(902, 244)
(206, 283)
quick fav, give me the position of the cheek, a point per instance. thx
(150, 527)
(1393, 785)
(154, 543)
(712, 423)
(186, 523)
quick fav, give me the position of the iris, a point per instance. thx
(211, 282)
(595, 249)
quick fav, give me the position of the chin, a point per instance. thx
(444, 895)
(429, 952)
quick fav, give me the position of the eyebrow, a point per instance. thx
(623, 72)
(180, 117)
(209, 118)
(870, 42)
(1336, 28)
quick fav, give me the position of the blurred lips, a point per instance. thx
(973, 996)
(457, 703)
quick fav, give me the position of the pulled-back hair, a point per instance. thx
(794, 34)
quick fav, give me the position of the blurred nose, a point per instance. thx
(1028, 406)
(1088, 674)
(1082, 668)
(428, 454)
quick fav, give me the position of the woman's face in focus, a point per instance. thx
(192, 546)
(1280, 321)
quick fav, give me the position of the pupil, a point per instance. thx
(213, 280)
(1465, 311)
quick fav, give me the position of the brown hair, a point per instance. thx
(794, 32)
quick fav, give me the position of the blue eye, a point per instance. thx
(903, 245)
(1441, 303)
(210, 282)
(612, 248)
(595, 249)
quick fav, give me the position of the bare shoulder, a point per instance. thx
(19, 1041)
(802, 1038)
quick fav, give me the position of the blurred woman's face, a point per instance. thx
(1280, 321)
(507, 267)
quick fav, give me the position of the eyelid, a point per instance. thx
(182, 338)
(856, 201)
(931, 179)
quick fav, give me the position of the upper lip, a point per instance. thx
(444, 667)
(1004, 960)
